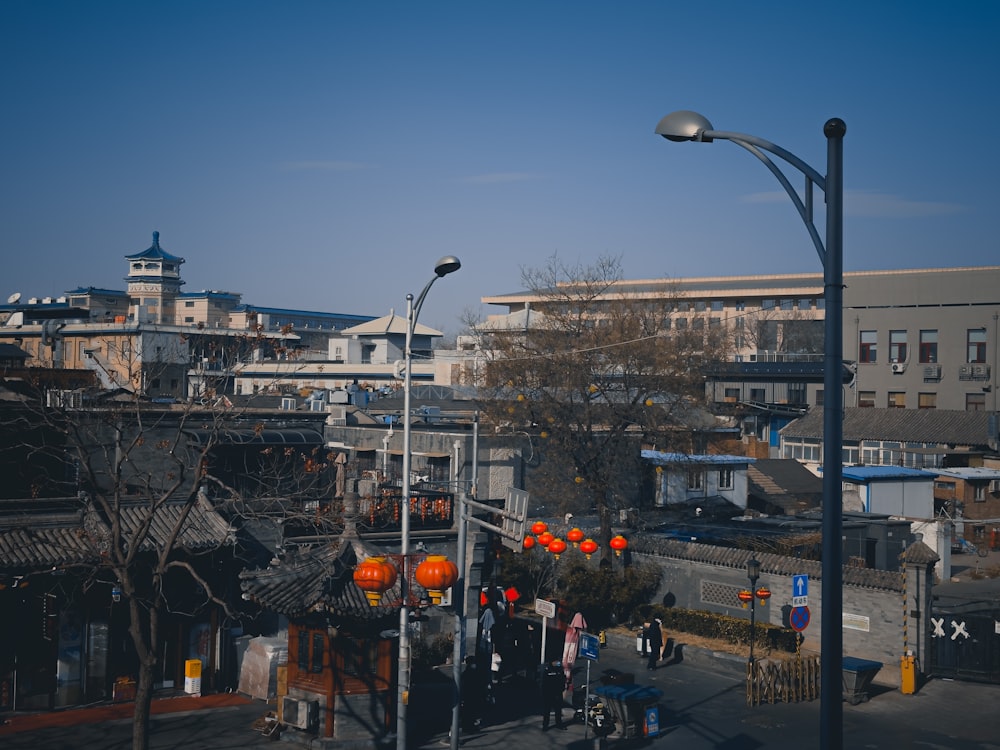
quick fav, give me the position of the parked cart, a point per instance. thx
(858, 676)
(628, 706)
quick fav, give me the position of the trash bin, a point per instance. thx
(858, 676)
(629, 704)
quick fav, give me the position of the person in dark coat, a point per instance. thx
(474, 692)
(553, 683)
(652, 643)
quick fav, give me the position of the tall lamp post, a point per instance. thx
(753, 573)
(446, 265)
(690, 126)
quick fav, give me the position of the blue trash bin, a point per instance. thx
(858, 676)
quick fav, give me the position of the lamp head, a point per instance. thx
(684, 125)
(446, 265)
(753, 569)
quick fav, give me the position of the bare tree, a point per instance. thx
(593, 371)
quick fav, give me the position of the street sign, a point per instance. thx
(590, 646)
(515, 514)
(798, 618)
(800, 590)
(545, 608)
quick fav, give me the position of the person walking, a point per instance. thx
(652, 639)
(553, 682)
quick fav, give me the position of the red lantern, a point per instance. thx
(575, 536)
(763, 593)
(529, 542)
(745, 596)
(619, 544)
(436, 574)
(375, 576)
(588, 547)
(539, 527)
(557, 546)
(545, 538)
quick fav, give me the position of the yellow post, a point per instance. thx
(908, 675)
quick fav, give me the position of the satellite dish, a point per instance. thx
(14, 298)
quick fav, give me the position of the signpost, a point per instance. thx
(546, 609)
(590, 649)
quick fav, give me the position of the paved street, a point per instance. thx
(703, 708)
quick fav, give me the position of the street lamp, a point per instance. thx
(691, 126)
(446, 265)
(753, 573)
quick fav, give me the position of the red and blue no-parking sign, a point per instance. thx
(798, 618)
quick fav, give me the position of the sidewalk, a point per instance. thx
(104, 712)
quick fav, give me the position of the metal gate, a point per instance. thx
(965, 642)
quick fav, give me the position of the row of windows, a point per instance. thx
(718, 305)
(696, 478)
(866, 452)
(927, 350)
(897, 400)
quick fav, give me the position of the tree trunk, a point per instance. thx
(145, 636)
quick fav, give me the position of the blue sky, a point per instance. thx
(323, 155)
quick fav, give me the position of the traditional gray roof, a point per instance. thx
(785, 483)
(41, 538)
(931, 426)
(732, 557)
(318, 580)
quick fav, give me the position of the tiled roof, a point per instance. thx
(731, 557)
(318, 580)
(34, 539)
(784, 482)
(933, 426)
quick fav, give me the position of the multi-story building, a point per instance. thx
(924, 338)
(156, 339)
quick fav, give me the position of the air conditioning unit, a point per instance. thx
(299, 713)
(899, 367)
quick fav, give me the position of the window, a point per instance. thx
(786, 304)
(926, 400)
(725, 479)
(303, 651)
(717, 305)
(978, 493)
(977, 345)
(681, 323)
(740, 305)
(694, 479)
(897, 400)
(850, 454)
(866, 399)
(189, 319)
(868, 347)
(928, 347)
(189, 303)
(897, 346)
(819, 397)
(805, 304)
(699, 305)
(767, 304)
(316, 663)
(732, 394)
(797, 393)
(758, 394)
(975, 401)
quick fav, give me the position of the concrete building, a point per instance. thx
(922, 338)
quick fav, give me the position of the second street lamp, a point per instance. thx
(691, 126)
(446, 265)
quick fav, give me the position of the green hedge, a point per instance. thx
(732, 630)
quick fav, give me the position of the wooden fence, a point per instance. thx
(783, 681)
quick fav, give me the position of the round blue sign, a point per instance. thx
(798, 618)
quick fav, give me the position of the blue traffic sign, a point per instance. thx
(590, 646)
(800, 590)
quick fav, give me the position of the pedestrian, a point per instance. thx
(663, 639)
(474, 692)
(553, 683)
(652, 641)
